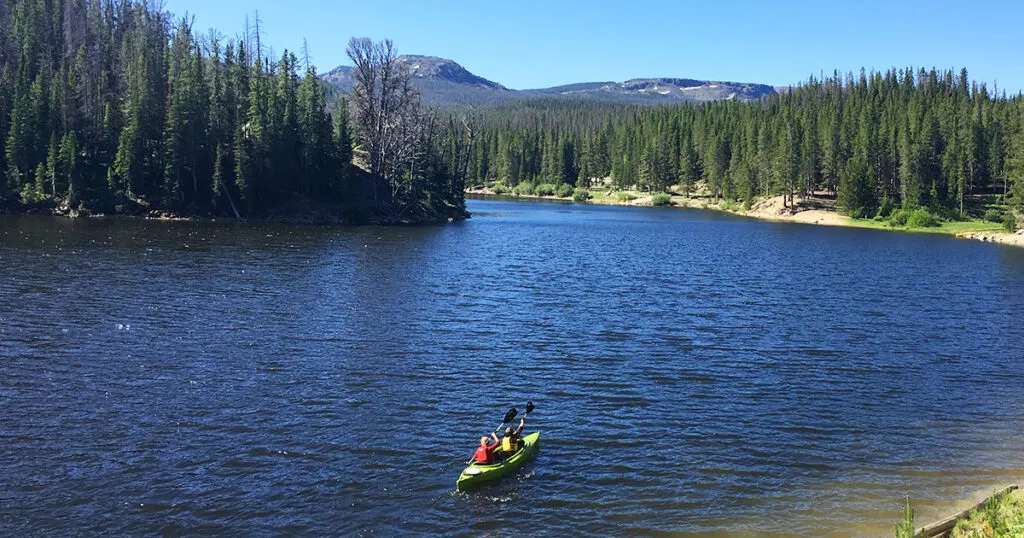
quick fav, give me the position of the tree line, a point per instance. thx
(110, 106)
(876, 142)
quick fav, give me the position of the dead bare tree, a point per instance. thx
(305, 55)
(386, 107)
(469, 126)
(418, 160)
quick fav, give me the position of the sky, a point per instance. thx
(535, 44)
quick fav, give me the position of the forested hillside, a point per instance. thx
(877, 142)
(110, 106)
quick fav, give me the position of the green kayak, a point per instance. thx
(478, 474)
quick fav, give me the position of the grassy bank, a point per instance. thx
(942, 227)
(1001, 516)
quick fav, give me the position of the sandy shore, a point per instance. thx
(772, 209)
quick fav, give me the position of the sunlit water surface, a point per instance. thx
(694, 373)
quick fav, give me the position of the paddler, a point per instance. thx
(484, 454)
(510, 441)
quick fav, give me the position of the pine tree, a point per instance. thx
(69, 167)
(1014, 165)
(717, 160)
(316, 142)
(688, 172)
(855, 194)
(646, 172)
(342, 143)
(19, 142)
(787, 158)
(910, 182)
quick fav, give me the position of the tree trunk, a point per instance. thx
(227, 193)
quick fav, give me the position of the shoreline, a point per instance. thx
(772, 210)
(318, 217)
(966, 508)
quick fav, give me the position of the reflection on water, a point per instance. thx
(695, 373)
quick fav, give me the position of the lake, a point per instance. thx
(694, 373)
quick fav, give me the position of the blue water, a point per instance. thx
(694, 373)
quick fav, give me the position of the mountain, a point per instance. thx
(662, 90)
(439, 80)
(445, 82)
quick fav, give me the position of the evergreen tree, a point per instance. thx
(688, 172)
(69, 167)
(855, 194)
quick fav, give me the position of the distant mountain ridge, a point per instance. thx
(444, 82)
(666, 89)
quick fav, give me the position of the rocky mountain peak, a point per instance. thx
(444, 69)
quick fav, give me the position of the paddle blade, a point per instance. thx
(529, 407)
(511, 415)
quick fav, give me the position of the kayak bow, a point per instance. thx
(477, 473)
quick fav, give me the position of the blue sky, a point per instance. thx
(533, 44)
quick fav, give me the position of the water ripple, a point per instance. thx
(695, 374)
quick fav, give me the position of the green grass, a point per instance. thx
(626, 196)
(944, 227)
(729, 205)
(1001, 517)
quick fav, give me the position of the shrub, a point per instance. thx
(625, 196)
(951, 214)
(581, 195)
(1010, 222)
(563, 190)
(905, 528)
(921, 218)
(898, 218)
(856, 212)
(887, 207)
(993, 215)
(661, 199)
(523, 188)
(30, 195)
(544, 189)
(501, 188)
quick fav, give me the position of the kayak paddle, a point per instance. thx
(529, 407)
(510, 416)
